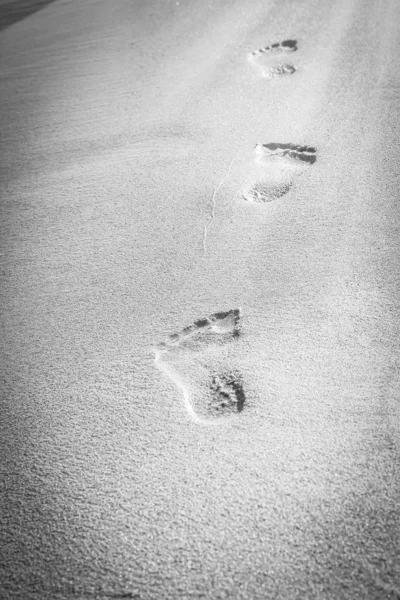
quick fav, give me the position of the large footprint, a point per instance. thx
(274, 169)
(196, 360)
(262, 59)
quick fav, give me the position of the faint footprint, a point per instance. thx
(262, 59)
(197, 361)
(277, 71)
(274, 170)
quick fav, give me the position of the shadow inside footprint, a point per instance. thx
(278, 47)
(304, 153)
(289, 45)
(274, 169)
(227, 393)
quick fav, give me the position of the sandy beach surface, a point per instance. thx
(141, 283)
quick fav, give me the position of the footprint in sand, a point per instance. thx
(262, 59)
(274, 169)
(198, 361)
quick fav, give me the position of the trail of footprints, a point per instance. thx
(211, 388)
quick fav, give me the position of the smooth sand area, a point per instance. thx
(128, 132)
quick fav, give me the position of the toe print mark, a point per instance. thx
(277, 48)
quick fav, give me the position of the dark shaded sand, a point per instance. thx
(12, 11)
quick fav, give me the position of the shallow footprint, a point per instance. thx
(277, 71)
(262, 59)
(197, 361)
(275, 168)
(227, 392)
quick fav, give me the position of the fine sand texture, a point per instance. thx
(200, 300)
